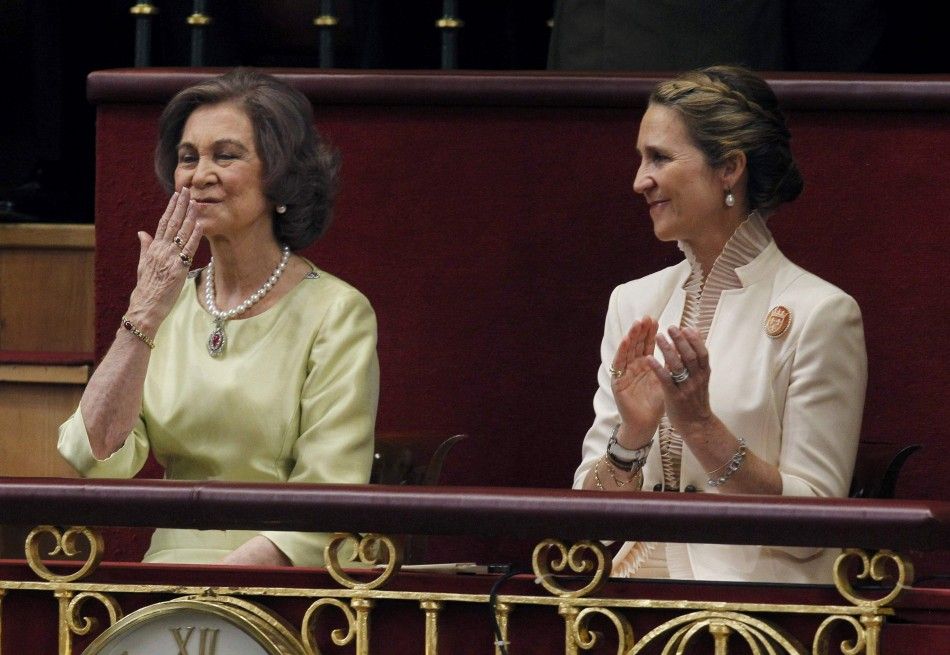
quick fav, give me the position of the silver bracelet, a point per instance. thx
(623, 458)
(731, 466)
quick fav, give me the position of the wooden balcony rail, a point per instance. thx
(479, 511)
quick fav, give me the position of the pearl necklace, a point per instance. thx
(218, 339)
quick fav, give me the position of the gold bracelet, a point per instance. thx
(597, 480)
(127, 324)
(637, 476)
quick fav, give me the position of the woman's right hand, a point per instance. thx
(164, 261)
(637, 393)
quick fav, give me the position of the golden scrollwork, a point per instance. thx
(876, 568)
(80, 625)
(339, 637)
(578, 558)
(823, 639)
(371, 549)
(586, 639)
(65, 544)
(760, 636)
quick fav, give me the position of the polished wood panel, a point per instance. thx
(46, 287)
(30, 415)
(39, 373)
(46, 326)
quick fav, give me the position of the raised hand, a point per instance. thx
(637, 391)
(684, 380)
(164, 261)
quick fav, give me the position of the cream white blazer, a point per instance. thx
(797, 400)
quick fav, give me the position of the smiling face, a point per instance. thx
(218, 159)
(685, 194)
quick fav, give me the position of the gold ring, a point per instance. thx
(614, 373)
(185, 259)
(178, 241)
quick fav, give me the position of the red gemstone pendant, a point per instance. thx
(216, 341)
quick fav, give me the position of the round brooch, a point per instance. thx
(778, 321)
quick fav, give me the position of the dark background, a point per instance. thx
(47, 47)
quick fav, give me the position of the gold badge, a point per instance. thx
(777, 321)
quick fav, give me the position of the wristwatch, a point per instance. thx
(624, 458)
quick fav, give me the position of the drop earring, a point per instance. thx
(280, 209)
(730, 199)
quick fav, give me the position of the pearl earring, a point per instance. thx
(281, 209)
(730, 199)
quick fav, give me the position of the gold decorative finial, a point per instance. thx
(325, 20)
(198, 19)
(143, 9)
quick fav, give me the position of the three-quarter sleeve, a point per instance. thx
(74, 446)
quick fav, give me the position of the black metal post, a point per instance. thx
(325, 22)
(450, 24)
(199, 20)
(143, 12)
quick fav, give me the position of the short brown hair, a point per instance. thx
(728, 109)
(299, 168)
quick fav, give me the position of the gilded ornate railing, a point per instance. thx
(201, 619)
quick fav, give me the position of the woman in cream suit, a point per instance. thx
(734, 371)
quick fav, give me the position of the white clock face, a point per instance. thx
(189, 627)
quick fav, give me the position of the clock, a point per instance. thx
(199, 625)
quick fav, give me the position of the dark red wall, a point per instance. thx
(488, 216)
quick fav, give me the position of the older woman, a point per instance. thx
(258, 367)
(734, 371)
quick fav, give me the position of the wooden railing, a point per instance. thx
(480, 511)
(682, 618)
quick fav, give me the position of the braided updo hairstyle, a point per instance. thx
(728, 109)
(299, 168)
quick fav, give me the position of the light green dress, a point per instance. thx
(292, 399)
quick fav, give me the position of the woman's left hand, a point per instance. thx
(257, 551)
(687, 360)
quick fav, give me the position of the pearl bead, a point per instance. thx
(252, 299)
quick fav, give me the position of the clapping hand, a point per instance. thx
(638, 392)
(684, 380)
